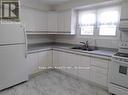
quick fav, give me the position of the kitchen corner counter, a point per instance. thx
(102, 53)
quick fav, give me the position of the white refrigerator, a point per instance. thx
(13, 68)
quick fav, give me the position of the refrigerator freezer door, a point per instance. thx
(13, 69)
(11, 34)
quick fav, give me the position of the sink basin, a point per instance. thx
(81, 48)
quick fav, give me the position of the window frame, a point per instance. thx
(96, 31)
(87, 11)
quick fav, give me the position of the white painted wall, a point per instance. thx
(34, 4)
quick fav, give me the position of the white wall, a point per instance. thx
(35, 4)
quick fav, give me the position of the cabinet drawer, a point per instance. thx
(98, 78)
(99, 62)
(99, 70)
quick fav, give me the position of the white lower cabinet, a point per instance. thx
(32, 61)
(99, 71)
(72, 63)
(88, 68)
(45, 60)
(84, 64)
(36, 61)
(98, 77)
(65, 61)
(84, 67)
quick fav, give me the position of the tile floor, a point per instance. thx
(54, 83)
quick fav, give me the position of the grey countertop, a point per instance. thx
(32, 48)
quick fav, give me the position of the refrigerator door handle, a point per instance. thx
(25, 37)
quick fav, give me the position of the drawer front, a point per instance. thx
(99, 70)
(84, 74)
(98, 78)
(99, 62)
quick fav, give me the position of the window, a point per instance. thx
(106, 21)
(86, 22)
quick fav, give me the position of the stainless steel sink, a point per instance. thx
(82, 48)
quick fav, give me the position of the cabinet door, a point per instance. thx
(66, 61)
(64, 21)
(68, 19)
(84, 64)
(27, 18)
(40, 21)
(34, 20)
(44, 60)
(56, 58)
(97, 77)
(99, 71)
(124, 10)
(61, 21)
(52, 21)
(32, 61)
(70, 62)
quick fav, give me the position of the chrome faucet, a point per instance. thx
(85, 44)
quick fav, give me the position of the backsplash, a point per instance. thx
(109, 43)
(32, 39)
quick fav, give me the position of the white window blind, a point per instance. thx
(107, 21)
(86, 22)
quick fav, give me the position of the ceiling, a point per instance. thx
(54, 2)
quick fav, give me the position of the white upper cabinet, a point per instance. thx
(124, 16)
(52, 21)
(61, 21)
(40, 21)
(124, 10)
(67, 21)
(34, 20)
(27, 18)
(48, 22)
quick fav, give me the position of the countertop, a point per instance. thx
(102, 52)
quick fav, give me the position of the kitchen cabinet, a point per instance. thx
(65, 61)
(27, 19)
(77, 65)
(38, 60)
(45, 59)
(34, 20)
(124, 10)
(32, 63)
(84, 62)
(52, 21)
(124, 16)
(88, 68)
(67, 21)
(99, 71)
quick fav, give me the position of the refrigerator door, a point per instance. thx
(11, 34)
(13, 69)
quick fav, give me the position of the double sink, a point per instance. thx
(82, 48)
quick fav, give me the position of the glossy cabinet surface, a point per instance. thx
(52, 21)
(84, 67)
(124, 10)
(39, 61)
(34, 20)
